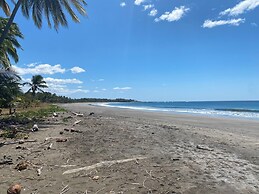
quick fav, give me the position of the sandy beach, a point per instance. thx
(128, 151)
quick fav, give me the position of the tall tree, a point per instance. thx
(5, 7)
(52, 9)
(10, 89)
(10, 44)
(36, 84)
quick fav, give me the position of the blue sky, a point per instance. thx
(149, 50)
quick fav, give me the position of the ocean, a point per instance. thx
(233, 109)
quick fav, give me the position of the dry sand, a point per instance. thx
(166, 154)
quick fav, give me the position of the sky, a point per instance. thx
(150, 50)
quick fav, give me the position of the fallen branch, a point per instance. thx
(64, 190)
(102, 164)
(17, 142)
(77, 122)
(78, 114)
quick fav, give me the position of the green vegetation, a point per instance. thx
(36, 84)
(53, 9)
(10, 44)
(17, 125)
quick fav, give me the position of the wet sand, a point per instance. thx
(177, 154)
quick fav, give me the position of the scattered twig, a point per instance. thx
(78, 114)
(77, 122)
(64, 190)
(102, 164)
(17, 142)
(100, 190)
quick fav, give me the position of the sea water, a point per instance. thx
(241, 109)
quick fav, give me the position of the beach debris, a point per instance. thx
(64, 190)
(72, 130)
(50, 146)
(55, 114)
(102, 164)
(39, 170)
(35, 128)
(61, 132)
(50, 138)
(66, 129)
(21, 148)
(203, 147)
(16, 142)
(22, 165)
(77, 122)
(91, 113)
(78, 114)
(14, 189)
(6, 160)
(95, 178)
(61, 140)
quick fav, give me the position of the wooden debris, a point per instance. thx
(50, 146)
(203, 147)
(22, 165)
(102, 164)
(17, 142)
(61, 140)
(14, 189)
(64, 190)
(72, 130)
(66, 129)
(78, 114)
(77, 122)
(6, 161)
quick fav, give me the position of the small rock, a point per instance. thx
(91, 113)
(95, 178)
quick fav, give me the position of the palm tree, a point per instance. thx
(36, 84)
(50, 8)
(10, 44)
(5, 7)
(10, 89)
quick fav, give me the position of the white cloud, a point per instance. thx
(104, 89)
(254, 24)
(153, 12)
(146, 7)
(50, 80)
(122, 4)
(232, 22)
(175, 15)
(100, 80)
(122, 88)
(243, 6)
(77, 70)
(40, 69)
(138, 2)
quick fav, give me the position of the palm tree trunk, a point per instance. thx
(10, 21)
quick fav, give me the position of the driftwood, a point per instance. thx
(17, 142)
(78, 114)
(203, 147)
(77, 122)
(102, 164)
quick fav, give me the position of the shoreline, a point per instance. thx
(145, 152)
(208, 113)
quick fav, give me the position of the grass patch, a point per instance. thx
(10, 125)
